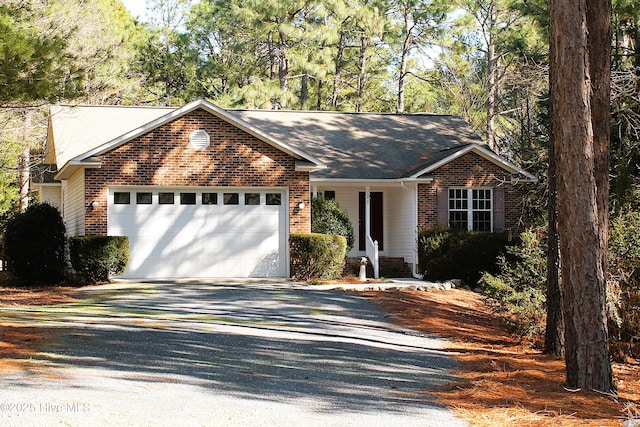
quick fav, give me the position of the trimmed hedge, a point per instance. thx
(34, 244)
(98, 257)
(458, 254)
(317, 256)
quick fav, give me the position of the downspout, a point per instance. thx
(414, 266)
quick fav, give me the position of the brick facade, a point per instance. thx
(469, 170)
(164, 157)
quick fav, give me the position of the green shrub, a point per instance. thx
(520, 286)
(623, 290)
(327, 217)
(98, 257)
(34, 244)
(457, 254)
(317, 256)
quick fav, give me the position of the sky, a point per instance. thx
(137, 8)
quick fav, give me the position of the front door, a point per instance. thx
(377, 225)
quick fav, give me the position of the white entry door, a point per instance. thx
(209, 232)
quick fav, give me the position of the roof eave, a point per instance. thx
(368, 181)
(302, 166)
(73, 166)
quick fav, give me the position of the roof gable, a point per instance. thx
(450, 155)
(84, 149)
(207, 106)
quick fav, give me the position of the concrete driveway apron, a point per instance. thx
(232, 353)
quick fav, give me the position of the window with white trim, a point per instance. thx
(471, 209)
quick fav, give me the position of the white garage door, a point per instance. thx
(215, 232)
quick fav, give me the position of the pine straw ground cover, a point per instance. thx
(17, 343)
(502, 381)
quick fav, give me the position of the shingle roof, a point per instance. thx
(76, 129)
(366, 145)
(353, 146)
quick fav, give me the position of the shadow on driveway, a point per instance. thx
(265, 341)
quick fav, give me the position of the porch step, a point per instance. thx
(389, 267)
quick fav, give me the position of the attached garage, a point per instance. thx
(199, 192)
(203, 232)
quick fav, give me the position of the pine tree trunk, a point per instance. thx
(599, 37)
(492, 96)
(304, 91)
(24, 164)
(338, 71)
(492, 77)
(362, 76)
(272, 57)
(579, 229)
(404, 58)
(554, 331)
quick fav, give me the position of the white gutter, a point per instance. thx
(352, 181)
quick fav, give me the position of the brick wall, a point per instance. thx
(470, 170)
(164, 157)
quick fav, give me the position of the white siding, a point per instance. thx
(347, 198)
(73, 207)
(400, 223)
(50, 194)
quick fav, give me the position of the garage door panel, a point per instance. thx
(202, 240)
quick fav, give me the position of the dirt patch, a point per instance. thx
(501, 381)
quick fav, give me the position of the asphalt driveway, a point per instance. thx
(223, 354)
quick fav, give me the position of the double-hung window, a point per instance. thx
(471, 209)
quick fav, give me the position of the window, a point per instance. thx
(231, 199)
(143, 198)
(329, 195)
(458, 208)
(252, 199)
(166, 198)
(187, 198)
(121, 198)
(470, 209)
(481, 210)
(209, 198)
(274, 199)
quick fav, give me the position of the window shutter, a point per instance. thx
(498, 209)
(443, 207)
